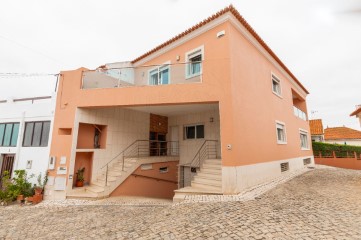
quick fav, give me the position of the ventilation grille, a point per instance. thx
(284, 167)
(306, 161)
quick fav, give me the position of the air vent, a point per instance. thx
(163, 169)
(285, 167)
(306, 161)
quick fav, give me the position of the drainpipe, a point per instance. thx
(20, 140)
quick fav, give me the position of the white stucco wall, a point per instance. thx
(22, 112)
(188, 148)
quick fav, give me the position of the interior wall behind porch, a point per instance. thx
(189, 147)
(123, 128)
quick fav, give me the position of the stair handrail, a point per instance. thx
(198, 154)
(122, 153)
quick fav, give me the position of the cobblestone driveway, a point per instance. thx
(320, 204)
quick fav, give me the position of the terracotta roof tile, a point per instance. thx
(239, 17)
(316, 127)
(342, 133)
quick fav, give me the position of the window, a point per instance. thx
(276, 85)
(281, 133)
(159, 76)
(194, 63)
(306, 161)
(304, 139)
(36, 134)
(194, 131)
(9, 134)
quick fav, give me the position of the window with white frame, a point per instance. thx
(276, 85)
(194, 131)
(304, 139)
(159, 76)
(281, 133)
(194, 63)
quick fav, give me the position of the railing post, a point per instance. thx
(334, 154)
(123, 164)
(106, 176)
(355, 154)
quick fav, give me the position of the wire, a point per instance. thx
(31, 49)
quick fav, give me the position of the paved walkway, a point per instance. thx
(319, 204)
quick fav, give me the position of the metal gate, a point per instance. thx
(7, 164)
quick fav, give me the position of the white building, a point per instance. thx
(25, 134)
(343, 135)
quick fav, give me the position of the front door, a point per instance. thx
(7, 164)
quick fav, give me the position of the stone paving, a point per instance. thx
(319, 204)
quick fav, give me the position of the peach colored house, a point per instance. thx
(211, 111)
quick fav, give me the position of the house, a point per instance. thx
(211, 111)
(343, 135)
(316, 127)
(357, 113)
(25, 134)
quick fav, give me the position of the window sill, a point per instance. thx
(281, 143)
(305, 149)
(192, 76)
(280, 96)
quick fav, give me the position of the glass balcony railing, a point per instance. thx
(189, 72)
(299, 113)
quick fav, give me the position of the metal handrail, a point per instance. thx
(136, 150)
(205, 150)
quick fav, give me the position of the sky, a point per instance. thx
(318, 40)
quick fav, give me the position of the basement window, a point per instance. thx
(284, 167)
(163, 169)
(306, 161)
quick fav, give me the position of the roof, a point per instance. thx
(342, 133)
(316, 127)
(229, 9)
(357, 111)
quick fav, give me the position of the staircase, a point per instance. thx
(120, 167)
(208, 179)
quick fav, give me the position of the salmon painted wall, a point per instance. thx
(248, 108)
(255, 109)
(151, 185)
(84, 160)
(348, 163)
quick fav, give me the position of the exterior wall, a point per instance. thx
(348, 163)
(150, 183)
(22, 112)
(254, 174)
(352, 142)
(189, 147)
(235, 73)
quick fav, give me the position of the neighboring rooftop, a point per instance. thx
(238, 16)
(316, 127)
(341, 133)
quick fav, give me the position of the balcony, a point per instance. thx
(152, 75)
(299, 113)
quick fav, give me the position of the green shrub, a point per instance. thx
(326, 149)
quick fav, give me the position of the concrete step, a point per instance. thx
(207, 181)
(94, 189)
(211, 166)
(180, 194)
(214, 175)
(213, 161)
(110, 178)
(206, 186)
(101, 183)
(114, 173)
(210, 171)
